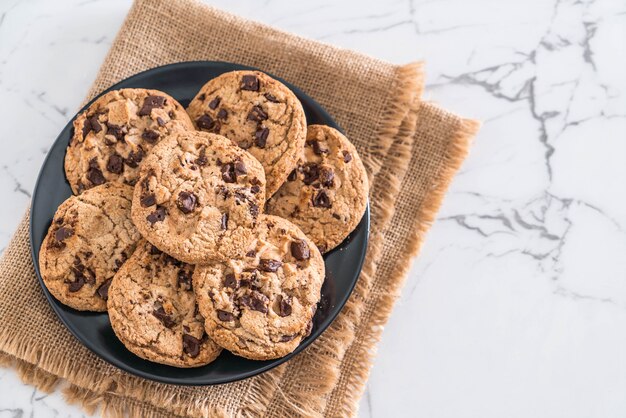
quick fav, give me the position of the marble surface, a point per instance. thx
(516, 306)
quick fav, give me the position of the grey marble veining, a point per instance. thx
(516, 306)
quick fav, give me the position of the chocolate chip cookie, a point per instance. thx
(90, 238)
(260, 304)
(153, 310)
(259, 114)
(114, 134)
(198, 197)
(326, 195)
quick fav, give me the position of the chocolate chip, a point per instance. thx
(223, 191)
(162, 316)
(254, 210)
(256, 301)
(86, 128)
(94, 174)
(228, 173)
(118, 264)
(240, 168)
(134, 158)
(317, 148)
(186, 202)
(271, 98)
(213, 104)
(116, 130)
(230, 281)
(115, 164)
(150, 103)
(240, 196)
(91, 123)
(336, 216)
(79, 270)
(284, 306)
(63, 233)
(148, 200)
(150, 136)
(224, 316)
(224, 221)
(95, 124)
(222, 114)
(346, 157)
(91, 277)
(300, 250)
(260, 136)
(191, 345)
(321, 200)
(292, 176)
(257, 114)
(202, 97)
(311, 173)
(202, 160)
(157, 216)
(103, 290)
(255, 189)
(77, 284)
(287, 338)
(184, 279)
(250, 278)
(250, 83)
(160, 121)
(269, 265)
(327, 176)
(207, 123)
(251, 253)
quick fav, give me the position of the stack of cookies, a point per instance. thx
(202, 229)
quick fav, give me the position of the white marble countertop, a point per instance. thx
(516, 306)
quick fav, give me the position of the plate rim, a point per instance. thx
(52, 302)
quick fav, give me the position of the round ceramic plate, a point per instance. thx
(343, 265)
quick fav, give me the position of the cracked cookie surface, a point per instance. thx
(326, 195)
(153, 310)
(259, 114)
(90, 238)
(115, 133)
(198, 197)
(260, 305)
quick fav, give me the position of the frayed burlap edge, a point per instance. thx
(345, 398)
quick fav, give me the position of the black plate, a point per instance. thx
(343, 265)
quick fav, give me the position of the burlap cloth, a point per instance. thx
(411, 151)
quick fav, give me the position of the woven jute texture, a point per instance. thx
(411, 151)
